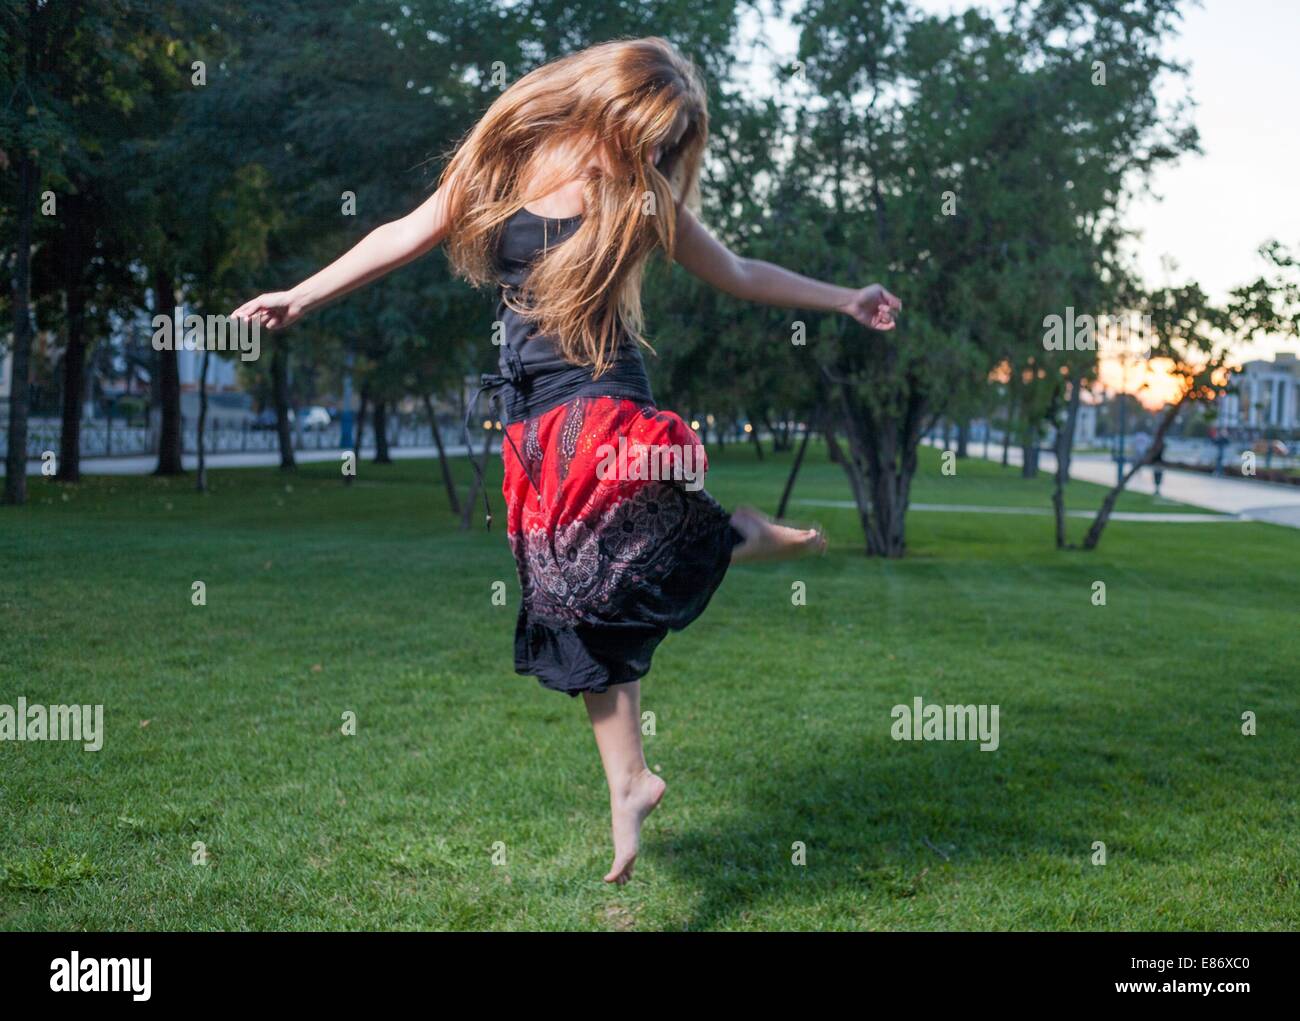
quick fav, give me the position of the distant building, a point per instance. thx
(1085, 425)
(1264, 395)
(222, 372)
(228, 405)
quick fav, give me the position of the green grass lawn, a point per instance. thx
(1119, 723)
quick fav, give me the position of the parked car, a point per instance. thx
(315, 417)
(1276, 447)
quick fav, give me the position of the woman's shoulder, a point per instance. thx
(525, 236)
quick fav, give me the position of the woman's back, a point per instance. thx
(536, 376)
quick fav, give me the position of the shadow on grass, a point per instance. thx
(886, 822)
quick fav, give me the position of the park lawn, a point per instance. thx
(1118, 723)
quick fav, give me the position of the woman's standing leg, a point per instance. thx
(634, 791)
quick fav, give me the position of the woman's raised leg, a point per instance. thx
(634, 791)
(766, 539)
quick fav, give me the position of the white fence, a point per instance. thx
(105, 438)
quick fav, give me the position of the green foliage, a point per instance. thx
(1271, 303)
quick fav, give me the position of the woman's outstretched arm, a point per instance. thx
(383, 250)
(754, 280)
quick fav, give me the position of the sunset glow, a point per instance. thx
(1151, 382)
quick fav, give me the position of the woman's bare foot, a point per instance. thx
(628, 809)
(765, 539)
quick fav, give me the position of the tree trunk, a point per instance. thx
(1064, 453)
(856, 476)
(361, 417)
(169, 379)
(201, 482)
(833, 452)
(880, 468)
(794, 471)
(772, 431)
(963, 438)
(753, 438)
(16, 455)
(1029, 453)
(449, 483)
(890, 487)
(1007, 429)
(74, 383)
(280, 395)
(467, 512)
(381, 433)
(1108, 505)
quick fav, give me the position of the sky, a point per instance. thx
(1210, 213)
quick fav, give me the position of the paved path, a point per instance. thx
(1274, 502)
(143, 465)
(968, 508)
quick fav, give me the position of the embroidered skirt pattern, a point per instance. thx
(614, 541)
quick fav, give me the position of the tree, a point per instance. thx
(1193, 338)
(967, 161)
(40, 40)
(1271, 303)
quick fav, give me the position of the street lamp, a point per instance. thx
(1128, 349)
(345, 418)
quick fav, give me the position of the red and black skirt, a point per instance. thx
(615, 542)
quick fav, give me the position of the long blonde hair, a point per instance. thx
(619, 100)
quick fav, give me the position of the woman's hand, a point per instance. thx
(275, 310)
(873, 307)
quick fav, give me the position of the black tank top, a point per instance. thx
(536, 377)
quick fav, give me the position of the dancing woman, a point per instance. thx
(559, 194)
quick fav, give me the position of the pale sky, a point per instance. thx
(1218, 208)
(1211, 212)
